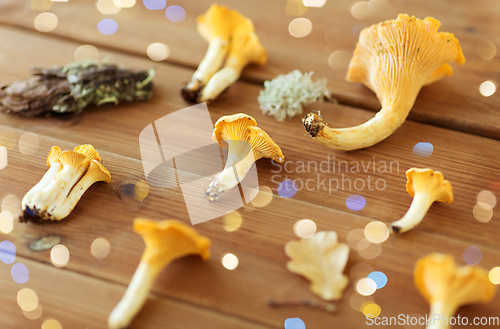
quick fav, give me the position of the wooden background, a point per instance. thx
(462, 125)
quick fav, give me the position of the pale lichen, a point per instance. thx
(286, 95)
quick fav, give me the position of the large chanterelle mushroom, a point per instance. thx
(395, 59)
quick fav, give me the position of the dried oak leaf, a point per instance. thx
(322, 260)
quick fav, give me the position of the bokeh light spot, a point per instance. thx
(379, 277)
(371, 251)
(158, 51)
(486, 49)
(487, 197)
(376, 232)
(27, 299)
(314, 3)
(294, 323)
(360, 270)
(354, 237)
(229, 261)
(20, 273)
(264, 197)
(124, 3)
(3, 157)
(304, 228)
(46, 22)
(86, 52)
(482, 212)
(300, 27)
(59, 255)
(339, 60)
(295, 8)
(51, 324)
(8, 138)
(472, 255)
(287, 188)
(487, 88)
(366, 287)
(423, 150)
(35, 314)
(28, 143)
(141, 189)
(6, 222)
(175, 14)
(108, 7)
(41, 5)
(155, 4)
(12, 204)
(494, 275)
(372, 310)
(100, 248)
(7, 252)
(232, 221)
(107, 26)
(360, 10)
(355, 202)
(356, 301)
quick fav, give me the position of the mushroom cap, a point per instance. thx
(168, 240)
(397, 57)
(263, 146)
(245, 45)
(72, 158)
(232, 127)
(53, 155)
(438, 279)
(98, 172)
(89, 151)
(217, 23)
(429, 181)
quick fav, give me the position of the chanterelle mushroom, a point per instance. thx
(395, 59)
(216, 27)
(447, 287)
(245, 49)
(247, 144)
(62, 186)
(165, 242)
(426, 186)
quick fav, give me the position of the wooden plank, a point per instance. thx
(456, 154)
(258, 244)
(76, 300)
(454, 102)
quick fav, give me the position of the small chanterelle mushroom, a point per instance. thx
(247, 144)
(395, 59)
(70, 174)
(229, 34)
(426, 186)
(165, 242)
(447, 287)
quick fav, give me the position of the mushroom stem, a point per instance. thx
(62, 210)
(440, 316)
(418, 208)
(373, 131)
(217, 50)
(232, 174)
(134, 298)
(55, 192)
(54, 169)
(220, 81)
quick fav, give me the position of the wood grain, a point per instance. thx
(454, 102)
(191, 293)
